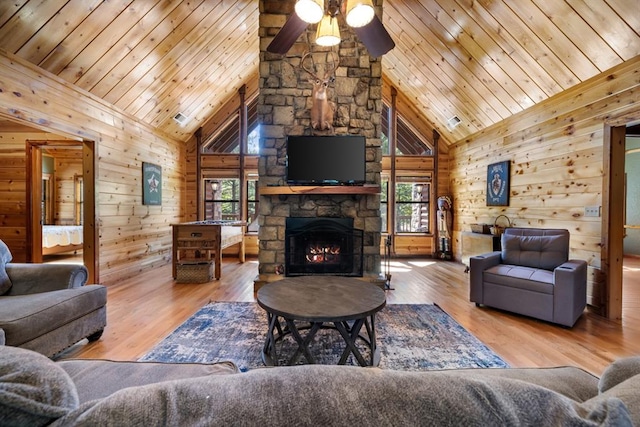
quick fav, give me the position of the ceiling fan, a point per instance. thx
(359, 15)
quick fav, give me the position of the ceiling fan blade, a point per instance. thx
(375, 37)
(287, 35)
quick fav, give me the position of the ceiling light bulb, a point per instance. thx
(310, 11)
(359, 12)
(328, 33)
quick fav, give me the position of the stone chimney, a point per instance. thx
(284, 109)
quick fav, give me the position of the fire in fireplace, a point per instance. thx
(323, 246)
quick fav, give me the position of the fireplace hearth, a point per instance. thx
(323, 246)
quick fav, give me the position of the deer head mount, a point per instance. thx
(322, 110)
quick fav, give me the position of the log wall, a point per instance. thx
(556, 154)
(133, 237)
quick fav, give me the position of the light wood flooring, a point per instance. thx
(143, 310)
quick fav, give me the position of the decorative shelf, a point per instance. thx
(320, 189)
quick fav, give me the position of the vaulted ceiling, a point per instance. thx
(479, 60)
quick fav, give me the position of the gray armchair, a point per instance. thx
(532, 275)
(48, 307)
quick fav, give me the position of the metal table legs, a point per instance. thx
(350, 333)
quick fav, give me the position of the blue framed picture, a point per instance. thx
(498, 184)
(151, 184)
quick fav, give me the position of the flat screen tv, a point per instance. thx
(326, 160)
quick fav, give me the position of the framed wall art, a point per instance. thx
(498, 184)
(151, 184)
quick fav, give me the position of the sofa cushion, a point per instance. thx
(570, 381)
(627, 391)
(545, 252)
(311, 395)
(25, 317)
(33, 390)
(5, 258)
(5, 282)
(619, 371)
(532, 279)
(113, 375)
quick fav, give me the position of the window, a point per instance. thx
(408, 142)
(253, 140)
(222, 199)
(252, 204)
(253, 128)
(384, 138)
(384, 203)
(412, 205)
(227, 140)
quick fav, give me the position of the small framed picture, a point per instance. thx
(498, 184)
(151, 184)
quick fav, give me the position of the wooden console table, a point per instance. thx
(477, 244)
(204, 241)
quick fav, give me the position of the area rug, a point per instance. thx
(411, 337)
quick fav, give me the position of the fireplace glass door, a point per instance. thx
(323, 246)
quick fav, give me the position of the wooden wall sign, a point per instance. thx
(498, 184)
(151, 184)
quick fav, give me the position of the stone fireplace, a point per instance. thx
(284, 109)
(322, 246)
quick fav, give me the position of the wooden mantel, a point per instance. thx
(320, 189)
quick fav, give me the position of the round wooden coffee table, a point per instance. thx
(315, 302)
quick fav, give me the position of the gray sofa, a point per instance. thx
(531, 275)
(48, 307)
(35, 391)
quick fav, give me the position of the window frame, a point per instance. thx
(213, 200)
(423, 205)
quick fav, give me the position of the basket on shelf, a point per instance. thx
(497, 230)
(194, 272)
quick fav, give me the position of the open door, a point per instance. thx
(39, 194)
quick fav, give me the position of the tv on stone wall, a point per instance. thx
(326, 160)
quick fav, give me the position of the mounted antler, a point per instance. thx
(322, 110)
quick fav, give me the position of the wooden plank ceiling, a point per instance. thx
(479, 60)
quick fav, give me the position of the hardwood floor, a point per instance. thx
(143, 310)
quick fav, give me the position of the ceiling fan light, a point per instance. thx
(310, 11)
(359, 12)
(328, 33)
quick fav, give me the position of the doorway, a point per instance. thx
(41, 196)
(614, 213)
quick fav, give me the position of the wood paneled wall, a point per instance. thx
(556, 155)
(133, 237)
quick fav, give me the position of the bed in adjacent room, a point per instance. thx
(61, 238)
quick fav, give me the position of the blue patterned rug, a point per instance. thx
(411, 337)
